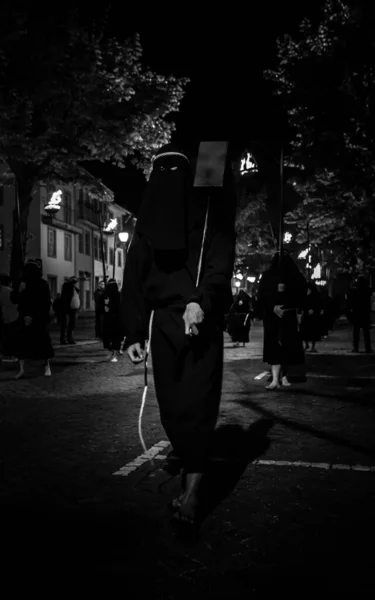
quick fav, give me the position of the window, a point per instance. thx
(52, 282)
(119, 258)
(2, 192)
(87, 243)
(96, 282)
(67, 206)
(51, 243)
(111, 256)
(105, 251)
(80, 242)
(96, 247)
(68, 247)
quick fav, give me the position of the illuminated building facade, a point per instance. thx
(68, 242)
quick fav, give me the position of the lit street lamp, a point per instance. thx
(121, 236)
(54, 204)
(287, 237)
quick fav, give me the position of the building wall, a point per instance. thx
(72, 232)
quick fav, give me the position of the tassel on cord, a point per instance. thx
(148, 344)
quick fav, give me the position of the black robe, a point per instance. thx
(33, 341)
(187, 370)
(282, 339)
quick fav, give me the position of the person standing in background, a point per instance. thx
(359, 313)
(8, 318)
(239, 319)
(99, 310)
(282, 293)
(70, 305)
(33, 298)
(312, 318)
(111, 326)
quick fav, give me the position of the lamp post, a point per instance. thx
(122, 237)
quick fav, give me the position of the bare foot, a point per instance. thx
(285, 382)
(19, 375)
(188, 508)
(273, 385)
(47, 371)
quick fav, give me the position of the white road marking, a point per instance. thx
(155, 451)
(313, 465)
(323, 376)
(133, 465)
(263, 374)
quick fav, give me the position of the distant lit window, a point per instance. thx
(87, 243)
(51, 243)
(80, 243)
(68, 254)
(105, 251)
(96, 247)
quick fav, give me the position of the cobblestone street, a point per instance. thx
(292, 478)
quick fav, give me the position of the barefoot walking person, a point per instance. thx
(33, 341)
(111, 328)
(312, 318)
(239, 319)
(187, 325)
(282, 292)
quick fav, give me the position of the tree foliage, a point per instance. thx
(326, 81)
(337, 222)
(256, 241)
(70, 94)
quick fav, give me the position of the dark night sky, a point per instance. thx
(224, 56)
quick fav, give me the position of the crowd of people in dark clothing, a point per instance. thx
(296, 316)
(309, 314)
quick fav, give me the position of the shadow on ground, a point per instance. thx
(297, 426)
(232, 449)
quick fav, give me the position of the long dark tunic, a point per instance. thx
(112, 330)
(282, 339)
(239, 323)
(33, 341)
(187, 370)
(312, 324)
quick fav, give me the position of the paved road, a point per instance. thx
(292, 483)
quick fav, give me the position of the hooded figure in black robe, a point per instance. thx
(187, 327)
(282, 295)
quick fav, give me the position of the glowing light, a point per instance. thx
(237, 283)
(287, 237)
(322, 282)
(317, 273)
(251, 279)
(303, 254)
(248, 164)
(239, 276)
(111, 226)
(53, 205)
(123, 236)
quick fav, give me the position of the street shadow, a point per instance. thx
(296, 426)
(232, 449)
